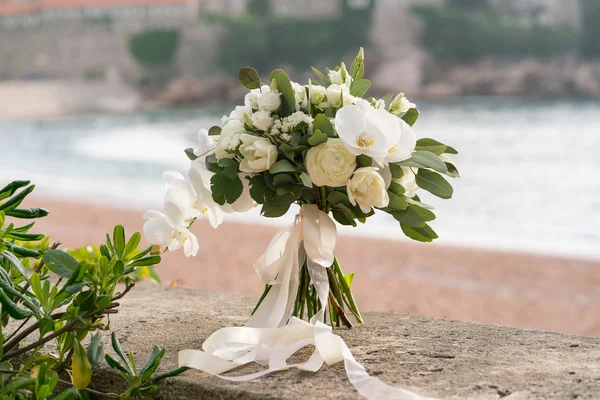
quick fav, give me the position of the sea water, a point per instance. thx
(529, 169)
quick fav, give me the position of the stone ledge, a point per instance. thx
(434, 357)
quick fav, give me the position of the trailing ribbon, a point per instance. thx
(272, 335)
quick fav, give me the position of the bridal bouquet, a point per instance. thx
(333, 152)
(322, 146)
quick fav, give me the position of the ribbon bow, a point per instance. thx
(271, 335)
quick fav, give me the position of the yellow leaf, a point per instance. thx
(81, 368)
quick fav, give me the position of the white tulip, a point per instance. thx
(228, 141)
(367, 189)
(330, 163)
(166, 231)
(405, 146)
(269, 101)
(258, 154)
(262, 120)
(400, 105)
(366, 130)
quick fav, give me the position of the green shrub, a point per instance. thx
(454, 35)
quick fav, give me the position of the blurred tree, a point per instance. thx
(469, 5)
(590, 45)
(155, 49)
(259, 8)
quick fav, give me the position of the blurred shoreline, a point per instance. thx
(490, 286)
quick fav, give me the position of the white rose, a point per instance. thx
(367, 189)
(262, 120)
(317, 94)
(269, 101)
(237, 113)
(251, 98)
(330, 163)
(336, 92)
(229, 138)
(400, 105)
(408, 182)
(259, 154)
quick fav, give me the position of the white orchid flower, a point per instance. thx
(168, 232)
(206, 143)
(366, 130)
(405, 146)
(199, 178)
(181, 195)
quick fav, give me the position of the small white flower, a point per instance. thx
(251, 98)
(340, 77)
(229, 137)
(405, 146)
(167, 232)
(269, 101)
(262, 120)
(258, 154)
(330, 163)
(367, 189)
(366, 130)
(400, 105)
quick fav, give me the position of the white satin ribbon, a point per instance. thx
(271, 335)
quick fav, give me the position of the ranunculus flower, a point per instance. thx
(230, 134)
(406, 144)
(366, 130)
(262, 120)
(367, 189)
(269, 101)
(258, 152)
(330, 163)
(400, 105)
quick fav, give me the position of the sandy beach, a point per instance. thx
(515, 289)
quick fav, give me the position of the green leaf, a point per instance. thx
(214, 131)
(16, 384)
(337, 197)
(116, 345)
(434, 146)
(364, 160)
(396, 202)
(396, 188)
(323, 124)
(152, 363)
(146, 261)
(95, 350)
(284, 86)
(321, 76)
(169, 374)
(411, 116)
(132, 244)
(360, 87)
(409, 217)
(60, 262)
(227, 162)
(189, 152)
(452, 171)
(234, 190)
(422, 234)
(257, 188)
(282, 179)
(357, 68)
(249, 78)
(282, 166)
(317, 138)
(11, 188)
(115, 364)
(218, 185)
(11, 307)
(14, 201)
(343, 215)
(21, 251)
(119, 240)
(306, 181)
(429, 160)
(434, 183)
(396, 171)
(28, 213)
(16, 263)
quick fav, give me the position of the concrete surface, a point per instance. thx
(434, 357)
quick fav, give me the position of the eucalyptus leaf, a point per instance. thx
(360, 87)
(189, 152)
(429, 160)
(323, 124)
(284, 86)
(249, 77)
(282, 166)
(411, 116)
(434, 183)
(317, 138)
